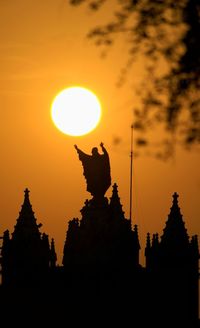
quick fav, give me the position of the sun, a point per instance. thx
(76, 111)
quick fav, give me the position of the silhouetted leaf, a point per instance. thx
(165, 34)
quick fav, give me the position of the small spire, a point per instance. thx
(53, 256)
(136, 229)
(26, 191)
(175, 232)
(148, 247)
(27, 203)
(52, 244)
(115, 197)
(115, 204)
(115, 191)
(175, 198)
(26, 220)
(136, 237)
(26, 195)
(175, 209)
(148, 241)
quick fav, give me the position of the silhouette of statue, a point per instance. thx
(96, 169)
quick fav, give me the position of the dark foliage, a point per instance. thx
(166, 34)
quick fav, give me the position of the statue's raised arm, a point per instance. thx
(96, 169)
(103, 148)
(81, 154)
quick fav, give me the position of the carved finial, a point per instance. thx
(175, 210)
(26, 196)
(26, 191)
(115, 186)
(52, 244)
(175, 198)
(136, 237)
(148, 246)
(26, 206)
(135, 228)
(148, 242)
(115, 191)
(53, 256)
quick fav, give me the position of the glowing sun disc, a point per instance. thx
(76, 111)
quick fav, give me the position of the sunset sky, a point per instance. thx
(43, 50)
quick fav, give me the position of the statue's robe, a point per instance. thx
(96, 169)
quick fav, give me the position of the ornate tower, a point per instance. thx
(102, 241)
(26, 256)
(173, 264)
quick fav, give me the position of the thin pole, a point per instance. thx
(131, 173)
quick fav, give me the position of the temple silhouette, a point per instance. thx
(100, 266)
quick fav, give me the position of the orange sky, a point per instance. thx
(43, 50)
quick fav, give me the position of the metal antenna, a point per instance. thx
(131, 174)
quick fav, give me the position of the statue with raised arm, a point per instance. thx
(96, 169)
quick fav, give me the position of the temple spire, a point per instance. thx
(26, 222)
(148, 241)
(115, 204)
(136, 237)
(175, 232)
(53, 256)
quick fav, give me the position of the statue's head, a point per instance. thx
(95, 151)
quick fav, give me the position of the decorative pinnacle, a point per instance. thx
(148, 241)
(26, 194)
(115, 188)
(26, 203)
(175, 198)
